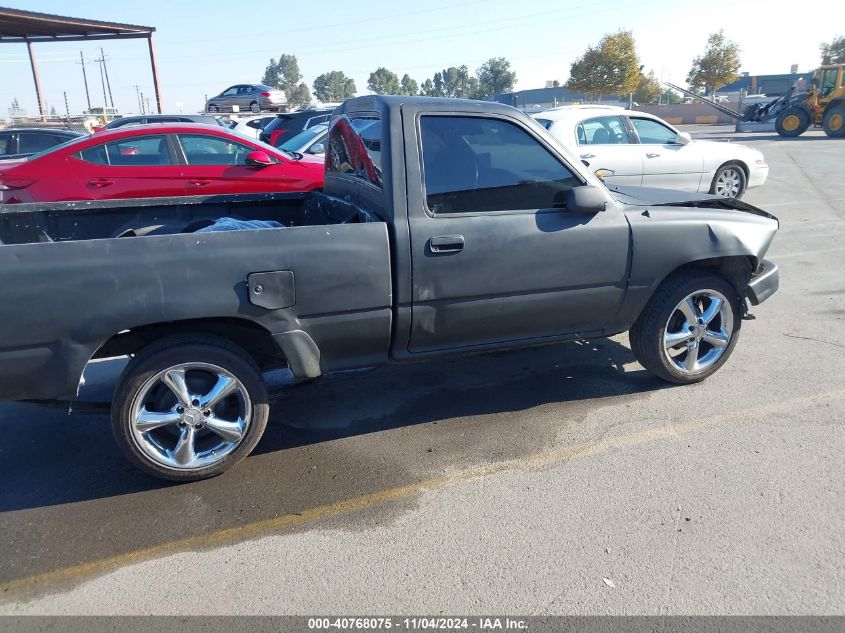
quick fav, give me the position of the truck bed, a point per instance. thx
(73, 289)
(86, 220)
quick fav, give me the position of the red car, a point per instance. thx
(153, 161)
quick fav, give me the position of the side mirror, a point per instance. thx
(317, 148)
(601, 172)
(258, 158)
(585, 199)
(683, 138)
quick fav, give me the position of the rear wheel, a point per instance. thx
(792, 122)
(188, 408)
(254, 107)
(834, 121)
(688, 329)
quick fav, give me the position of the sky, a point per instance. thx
(203, 48)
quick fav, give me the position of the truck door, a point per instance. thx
(495, 254)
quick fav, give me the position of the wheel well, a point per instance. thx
(738, 162)
(736, 270)
(253, 338)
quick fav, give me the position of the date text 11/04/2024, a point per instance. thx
(418, 623)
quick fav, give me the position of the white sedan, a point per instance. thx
(250, 126)
(636, 148)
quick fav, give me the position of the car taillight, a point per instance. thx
(11, 182)
(265, 94)
(274, 136)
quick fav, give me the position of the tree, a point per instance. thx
(495, 77)
(334, 86)
(611, 68)
(718, 66)
(284, 74)
(439, 85)
(648, 89)
(300, 97)
(670, 96)
(53, 111)
(408, 86)
(427, 89)
(834, 52)
(384, 82)
(555, 84)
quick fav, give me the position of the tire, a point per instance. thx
(729, 181)
(184, 438)
(213, 108)
(792, 122)
(834, 122)
(254, 107)
(664, 317)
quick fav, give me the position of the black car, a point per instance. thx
(144, 119)
(23, 142)
(289, 124)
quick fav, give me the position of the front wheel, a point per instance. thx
(188, 408)
(688, 329)
(213, 108)
(729, 182)
(254, 107)
(792, 122)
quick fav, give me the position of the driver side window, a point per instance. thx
(476, 164)
(211, 150)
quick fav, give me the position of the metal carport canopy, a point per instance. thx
(18, 26)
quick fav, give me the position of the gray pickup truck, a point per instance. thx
(445, 226)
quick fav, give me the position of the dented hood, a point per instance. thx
(649, 196)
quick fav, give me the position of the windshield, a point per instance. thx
(303, 138)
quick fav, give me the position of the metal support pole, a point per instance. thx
(106, 71)
(154, 66)
(38, 93)
(85, 79)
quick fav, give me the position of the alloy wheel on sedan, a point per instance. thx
(729, 182)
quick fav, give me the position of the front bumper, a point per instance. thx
(764, 283)
(757, 175)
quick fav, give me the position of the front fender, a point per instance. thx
(665, 239)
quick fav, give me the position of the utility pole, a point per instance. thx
(85, 79)
(142, 103)
(67, 107)
(138, 93)
(148, 105)
(104, 74)
(103, 81)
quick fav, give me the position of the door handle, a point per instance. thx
(588, 155)
(652, 155)
(101, 182)
(446, 244)
(198, 183)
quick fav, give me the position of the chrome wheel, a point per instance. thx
(698, 331)
(729, 182)
(190, 416)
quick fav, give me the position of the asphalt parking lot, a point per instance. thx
(546, 481)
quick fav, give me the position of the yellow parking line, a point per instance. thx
(265, 526)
